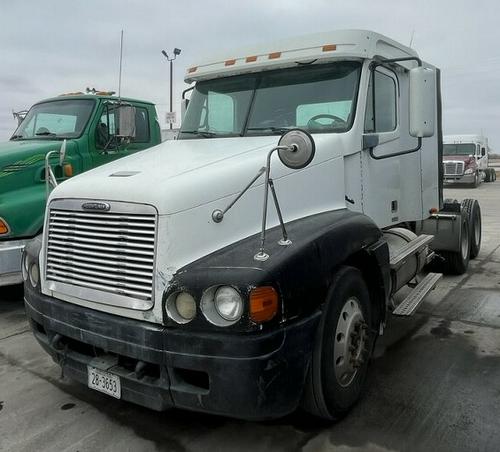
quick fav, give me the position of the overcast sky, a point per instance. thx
(54, 46)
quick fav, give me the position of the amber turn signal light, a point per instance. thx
(263, 304)
(68, 170)
(3, 227)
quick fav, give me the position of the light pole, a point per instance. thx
(170, 60)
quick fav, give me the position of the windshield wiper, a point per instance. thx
(15, 137)
(276, 130)
(203, 133)
(45, 134)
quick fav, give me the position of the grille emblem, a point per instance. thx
(100, 206)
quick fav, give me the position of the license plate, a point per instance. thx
(104, 382)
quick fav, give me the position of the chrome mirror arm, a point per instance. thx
(262, 255)
(50, 178)
(218, 215)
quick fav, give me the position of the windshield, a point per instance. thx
(56, 119)
(459, 149)
(317, 98)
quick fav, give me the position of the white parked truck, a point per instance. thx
(465, 160)
(246, 268)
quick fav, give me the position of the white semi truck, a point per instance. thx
(247, 268)
(465, 160)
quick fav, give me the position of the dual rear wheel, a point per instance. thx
(491, 175)
(456, 262)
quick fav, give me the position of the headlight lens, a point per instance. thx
(228, 303)
(185, 305)
(222, 305)
(34, 274)
(181, 307)
(469, 171)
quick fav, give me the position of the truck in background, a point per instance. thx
(257, 258)
(90, 125)
(465, 160)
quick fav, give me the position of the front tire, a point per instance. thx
(342, 350)
(476, 180)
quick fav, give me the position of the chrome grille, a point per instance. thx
(104, 251)
(453, 168)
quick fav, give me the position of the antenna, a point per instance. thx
(411, 39)
(120, 74)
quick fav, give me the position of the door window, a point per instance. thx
(106, 128)
(381, 110)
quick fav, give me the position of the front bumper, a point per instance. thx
(10, 262)
(255, 376)
(465, 179)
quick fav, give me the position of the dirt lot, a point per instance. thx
(434, 384)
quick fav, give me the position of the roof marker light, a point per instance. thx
(274, 55)
(251, 59)
(329, 47)
(229, 62)
(192, 69)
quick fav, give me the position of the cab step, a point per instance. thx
(412, 247)
(410, 304)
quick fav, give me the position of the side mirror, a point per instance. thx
(126, 121)
(62, 153)
(422, 102)
(297, 149)
(184, 106)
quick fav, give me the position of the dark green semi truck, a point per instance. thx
(90, 124)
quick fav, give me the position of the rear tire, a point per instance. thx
(473, 212)
(488, 177)
(343, 346)
(456, 262)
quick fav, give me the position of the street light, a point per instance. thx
(170, 60)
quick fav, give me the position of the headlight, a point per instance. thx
(24, 266)
(34, 274)
(228, 303)
(185, 305)
(181, 307)
(469, 171)
(222, 305)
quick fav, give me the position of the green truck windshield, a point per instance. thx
(56, 119)
(318, 98)
(459, 149)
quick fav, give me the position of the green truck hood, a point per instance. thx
(19, 156)
(22, 186)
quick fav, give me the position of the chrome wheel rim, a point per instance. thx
(350, 342)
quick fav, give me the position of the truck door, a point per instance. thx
(481, 157)
(108, 146)
(392, 179)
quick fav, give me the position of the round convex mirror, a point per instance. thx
(301, 149)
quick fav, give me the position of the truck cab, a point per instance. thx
(89, 124)
(258, 256)
(465, 160)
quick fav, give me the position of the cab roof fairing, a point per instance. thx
(340, 45)
(465, 138)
